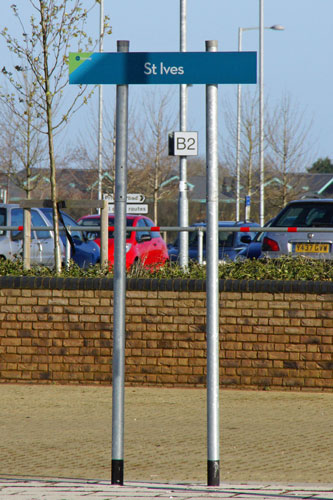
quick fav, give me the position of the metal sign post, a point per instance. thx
(182, 190)
(212, 235)
(124, 68)
(119, 295)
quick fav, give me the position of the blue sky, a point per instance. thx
(297, 61)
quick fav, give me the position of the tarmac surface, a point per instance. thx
(55, 443)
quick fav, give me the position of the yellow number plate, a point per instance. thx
(312, 247)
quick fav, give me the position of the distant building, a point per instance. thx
(82, 184)
(73, 183)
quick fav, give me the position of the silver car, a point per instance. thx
(305, 213)
(11, 242)
(84, 253)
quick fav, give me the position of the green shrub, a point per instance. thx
(284, 268)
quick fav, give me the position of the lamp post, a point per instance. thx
(261, 111)
(276, 27)
(100, 106)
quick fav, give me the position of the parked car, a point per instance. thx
(305, 213)
(42, 241)
(85, 252)
(144, 247)
(254, 249)
(230, 242)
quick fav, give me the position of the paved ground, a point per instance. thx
(102, 490)
(65, 432)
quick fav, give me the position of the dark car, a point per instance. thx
(144, 247)
(305, 213)
(84, 253)
(230, 242)
(254, 249)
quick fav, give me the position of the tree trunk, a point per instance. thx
(28, 167)
(57, 256)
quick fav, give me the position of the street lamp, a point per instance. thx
(261, 111)
(100, 107)
(276, 27)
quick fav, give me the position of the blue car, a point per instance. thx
(85, 252)
(254, 249)
(230, 242)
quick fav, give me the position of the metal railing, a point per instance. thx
(104, 228)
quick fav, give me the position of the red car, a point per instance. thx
(142, 247)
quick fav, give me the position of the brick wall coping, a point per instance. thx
(181, 285)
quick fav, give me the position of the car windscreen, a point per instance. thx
(306, 215)
(69, 222)
(97, 222)
(48, 212)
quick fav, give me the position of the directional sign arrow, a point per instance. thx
(135, 198)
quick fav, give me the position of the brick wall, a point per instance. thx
(273, 334)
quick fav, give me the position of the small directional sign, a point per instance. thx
(135, 198)
(131, 198)
(131, 208)
(122, 68)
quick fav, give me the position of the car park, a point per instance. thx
(42, 240)
(305, 213)
(230, 242)
(144, 247)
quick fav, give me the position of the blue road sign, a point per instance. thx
(162, 67)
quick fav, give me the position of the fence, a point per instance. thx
(104, 227)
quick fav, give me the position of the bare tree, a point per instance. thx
(23, 147)
(85, 155)
(43, 52)
(288, 137)
(287, 149)
(7, 161)
(249, 143)
(151, 165)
